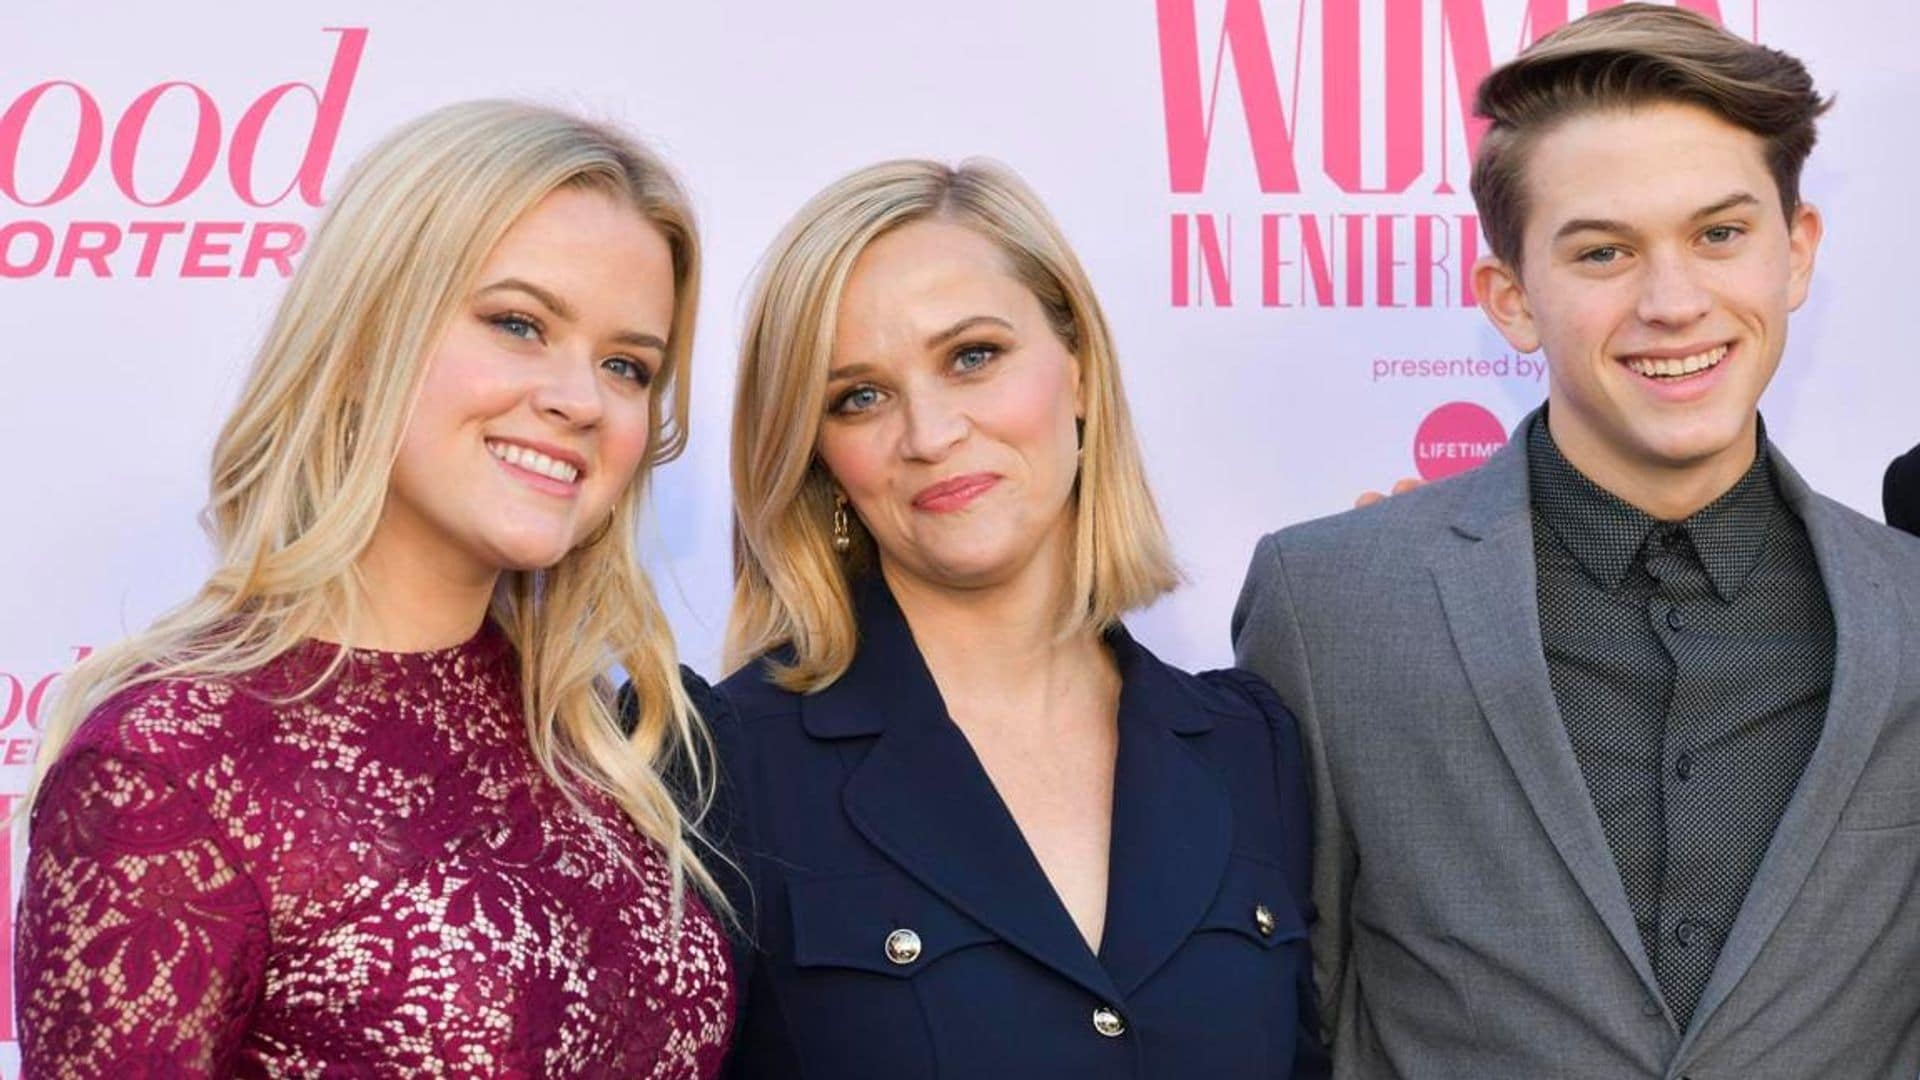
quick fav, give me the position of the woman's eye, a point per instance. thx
(629, 368)
(858, 399)
(974, 357)
(518, 325)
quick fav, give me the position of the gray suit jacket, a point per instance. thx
(1472, 922)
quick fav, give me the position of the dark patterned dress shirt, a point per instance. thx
(1691, 662)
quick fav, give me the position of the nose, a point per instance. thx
(935, 425)
(1672, 293)
(568, 391)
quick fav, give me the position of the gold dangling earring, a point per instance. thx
(842, 531)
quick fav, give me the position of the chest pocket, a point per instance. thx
(885, 924)
(1870, 811)
(1255, 902)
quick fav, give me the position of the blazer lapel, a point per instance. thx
(1172, 822)
(922, 798)
(1487, 587)
(1865, 661)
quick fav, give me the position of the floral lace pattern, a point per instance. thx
(374, 880)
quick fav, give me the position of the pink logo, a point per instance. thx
(23, 701)
(1328, 230)
(1456, 437)
(149, 245)
(1466, 50)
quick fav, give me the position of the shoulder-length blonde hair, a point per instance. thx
(300, 470)
(790, 587)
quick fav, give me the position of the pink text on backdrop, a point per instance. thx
(1321, 260)
(23, 706)
(23, 702)
(162, 246)
(9, 804)
(1348, 247)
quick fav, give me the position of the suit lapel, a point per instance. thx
(1172, 822)
(921, 797)
(1487, 588)
(1865, 661)
(923, 800)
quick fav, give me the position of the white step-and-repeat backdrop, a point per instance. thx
(1271, 196)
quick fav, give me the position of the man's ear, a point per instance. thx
(1804, 229)
(1497, 286)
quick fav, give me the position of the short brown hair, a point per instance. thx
(1635, 54)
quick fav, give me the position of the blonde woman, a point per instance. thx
(362, 805)
(982, 831)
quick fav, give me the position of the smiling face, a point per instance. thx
(951, 411)
(534, 415)
(1658, 272)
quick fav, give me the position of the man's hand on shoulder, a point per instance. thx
(1400, 487)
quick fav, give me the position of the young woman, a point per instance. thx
(983, 832)
(363, 805)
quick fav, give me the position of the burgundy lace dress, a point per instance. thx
(375, 881)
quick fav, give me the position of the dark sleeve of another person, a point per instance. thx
(1900, 493)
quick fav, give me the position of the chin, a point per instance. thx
(529, 553)
(1700, 435)
(973, 568)
(948, 575)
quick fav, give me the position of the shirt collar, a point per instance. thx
(1606, 534)
(888, 685)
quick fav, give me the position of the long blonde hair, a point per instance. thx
(301, 467)
(790, 587)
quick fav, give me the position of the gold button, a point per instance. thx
(903, 947)
(1263, 920)
(1108, 1023)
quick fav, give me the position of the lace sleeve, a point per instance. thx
(141, 944)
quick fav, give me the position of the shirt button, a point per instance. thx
(1683, 766)
(1108, 1023)
(1688, 932)
(903, 947)
(1676, 621)
(1263, 920)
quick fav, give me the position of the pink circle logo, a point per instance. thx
(1456, 437)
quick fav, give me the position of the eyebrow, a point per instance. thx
(1580, 225)
(559, 307)
(1738, 198)
(933, 342)
(848, 371)
(963, 326)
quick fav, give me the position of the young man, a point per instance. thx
(1616, 740)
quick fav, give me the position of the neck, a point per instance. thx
(1663, 490)
(999, 643)
(416, 598)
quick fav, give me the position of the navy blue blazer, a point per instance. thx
(861, 810)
